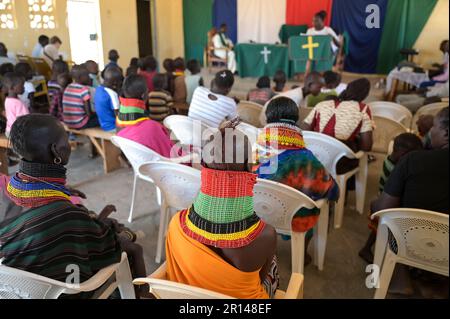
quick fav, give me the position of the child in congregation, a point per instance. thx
(147, 69)
(13, 84)
(180, 90)
(107, 99)
(263, 93)
(133, 122)
(25, 70)
(55, 90)
(77, 112)
(403, 144)
(170, 69)
(92, 67)
(179, 67)
(193, 80)
(113, 56)
(160, 101)
(333, 83)
(133, 67)
(280, 80)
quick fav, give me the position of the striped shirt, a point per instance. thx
(74, 112)
(212, 109)
(48, 239)
(388, 167)
(159, 103)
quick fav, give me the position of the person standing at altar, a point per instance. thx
(223, 47)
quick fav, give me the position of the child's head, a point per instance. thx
(113, 78)
(223, 82)
(43, 40)
(405, 143)
(113, 56)
(263, 83)
(135, 87)
(92, 67)
(357, 90)
(168, 65)
(424, 124)
(64, 79)
(332, 79)
(319, 20)
(13, 84)
(59, 67)
(6, 68)
(160, 82)
(280, 80)
(134, 62)
(148, 64)
(194, 67)
(314, 83)
(80, 75)
(179, 64)
(25, 70)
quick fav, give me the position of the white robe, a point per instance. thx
(217, 42)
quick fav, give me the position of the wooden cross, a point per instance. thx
(310, 46)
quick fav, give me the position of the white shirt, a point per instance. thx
(439, 90)
(339, 89)
(37, 51)
(50, 54)
(211, 112)
(325, 31)
(29, 88)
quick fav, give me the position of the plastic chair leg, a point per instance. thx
(320, 237)
(133, 198)
(381, 245)
(161, 231)
(361, 184)
(339, 208)
(385, 276)
(298, 252)
(125, 281)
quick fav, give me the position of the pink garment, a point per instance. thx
(442, 77)
(150, 134)
(149, 78)
(14, 108)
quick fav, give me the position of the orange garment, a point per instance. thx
(192, 263)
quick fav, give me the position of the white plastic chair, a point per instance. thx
(250, 112)
(138, 154)
(161, 288)
(393, 111)
(329, 151)
(250, 131)
(413, 237)
(19, 284)
(277, 204)
(186, 130)
(179, 185)
(386, 130)
(430, 109)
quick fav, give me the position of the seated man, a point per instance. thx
(219, 243)
(224, 47)
(424, 97)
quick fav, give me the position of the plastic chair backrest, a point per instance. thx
(430, 109)
(327, 149)
(393, 111)
(250, 131)
(386, 130)
(164, 289)
(186, 130)
(136, 153)
(420, 236)
(250, 112)
(277, 204)
(179, 184)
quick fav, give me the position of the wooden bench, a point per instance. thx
(4, 146)
(102, 142)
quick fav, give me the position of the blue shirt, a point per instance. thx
(104, 106)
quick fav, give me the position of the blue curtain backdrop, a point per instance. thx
(225, 11)
(364, 43)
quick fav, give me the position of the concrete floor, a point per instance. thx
(344, 274)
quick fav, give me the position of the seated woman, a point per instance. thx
(44, 232)
(133, 121)
(282, 140)
(347, 119)
(262, 93)
(219, 243)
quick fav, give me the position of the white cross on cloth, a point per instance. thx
(266, 54)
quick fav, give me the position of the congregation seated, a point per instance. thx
(263, 93)
(347, 119)
(333, 87)
(282, 142)
(58, 82)
(77, 110)
(107, 99)
(133, 120)
(239, 260)
(160, 101)
(47, 230)
(280, 80)
(212, 107)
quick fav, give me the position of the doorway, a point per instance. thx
(83, 18)
(144, 19)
